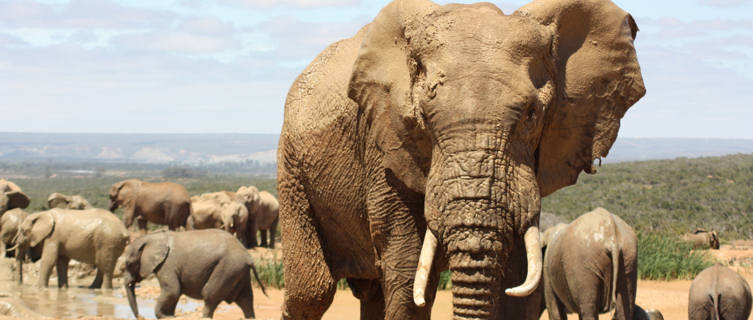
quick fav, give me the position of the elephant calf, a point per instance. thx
(218, 210)
(75, 202)
(702, 239)
(93, 236)
(263, 210)
(203, 264)
(719, 293)
(590, 265)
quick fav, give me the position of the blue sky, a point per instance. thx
(190, 66)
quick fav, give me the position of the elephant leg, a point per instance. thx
(62, 270)
(209, 307)
(246, 302)
(105, 265)
(97, 283)
(263, 236)
(625, 295)
(310, 292)
(554, 306)
(273, 233)
(369, 292)
(49, 260)
(252, 229)
(168, 297)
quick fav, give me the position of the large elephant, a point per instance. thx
(219, 210)
(719, 293)
(93, 236)
(263, 215)
(702, 239)
(202, 264)
(61, 201)
(9, 223)
(445, 123)
(590, 267)
(164, 203)
(11, 196)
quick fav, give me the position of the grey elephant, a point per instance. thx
(263, 215)
(93, 236)
(203, 264)
(219, 210)
(590, 267)
(165, 203)
(11, 196)
(719, 293)
(75, 202)
(702, 239)
(427, 141)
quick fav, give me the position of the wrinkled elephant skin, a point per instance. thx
(719, 293)
(445, 123)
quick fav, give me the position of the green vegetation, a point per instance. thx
(270, 273)
(663, 257)
(668, 196)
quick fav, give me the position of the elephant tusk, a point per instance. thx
(424, 268)
(533, 254)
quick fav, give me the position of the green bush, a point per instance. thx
(270, 273)
(665, 257)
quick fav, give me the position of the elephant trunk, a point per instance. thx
(113, 205)
(130, 292)
(476, 277)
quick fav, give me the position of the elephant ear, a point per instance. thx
(153, 253)
(597, 78)
(17, 199)
(382, 82)
(42, 226)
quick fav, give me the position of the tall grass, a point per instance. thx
(665, 257)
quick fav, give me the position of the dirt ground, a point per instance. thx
(670, 297)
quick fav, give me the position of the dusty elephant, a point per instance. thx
(702, 239)
(590, 266)
(202, 264)
(11, 196)
(9, 223)
(263, 215)
(414, 130)
(93, 236)
(165, 203)
(218, 210)
(719, 293)
(61, 201)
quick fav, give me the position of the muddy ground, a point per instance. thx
(78, 302)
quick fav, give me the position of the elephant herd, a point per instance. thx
(212, 265)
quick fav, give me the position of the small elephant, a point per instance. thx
(93, 236)
(702, 239)
(218, 210)
(202, 264)
(11, 196)
(9, 223)
(74, 202)
(164, 203)
(590, 266)
(263, 210)
(719, 293)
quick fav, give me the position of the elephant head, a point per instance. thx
(11, 196)
(143, 257)
(485, 113)
(249, 196)
(33, 231)
(120, 193)
(233, 215)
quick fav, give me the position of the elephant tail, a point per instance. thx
(612, 299)
(715, 300)
(256, 275)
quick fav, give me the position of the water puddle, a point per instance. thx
(77, 302)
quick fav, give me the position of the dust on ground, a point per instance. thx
(78, 302)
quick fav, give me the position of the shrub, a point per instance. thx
(665, 257)
(270, 273)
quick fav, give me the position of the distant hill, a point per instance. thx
(192, 149)
(673, 196)
(207, 149)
